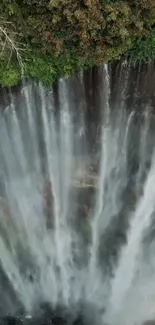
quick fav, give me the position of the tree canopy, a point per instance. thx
(48, 38)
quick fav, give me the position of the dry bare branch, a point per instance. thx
(7, 41)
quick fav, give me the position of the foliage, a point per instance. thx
(144, 48)
(9, 74)
(61, 36)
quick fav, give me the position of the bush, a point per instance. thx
(144, 48)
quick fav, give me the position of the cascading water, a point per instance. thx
(77, 206)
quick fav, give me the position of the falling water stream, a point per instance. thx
(77, 198)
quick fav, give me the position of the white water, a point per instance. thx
(48, 251)
(128, 262)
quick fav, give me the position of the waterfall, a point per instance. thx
(129, 256)
(77, 197)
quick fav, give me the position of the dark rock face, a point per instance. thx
(82, 315)
(10, 320)
(46, 318)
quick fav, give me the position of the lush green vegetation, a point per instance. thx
(45, 39)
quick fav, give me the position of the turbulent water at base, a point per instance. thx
(77, 197)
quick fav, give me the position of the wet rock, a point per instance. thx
(150, 322)
(48, 204)
(11, 320)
